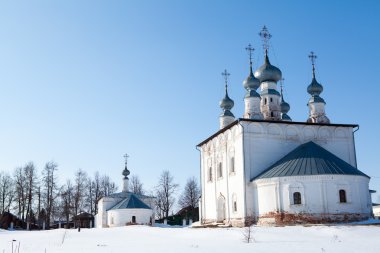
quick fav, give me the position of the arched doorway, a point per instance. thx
(133, 219)
(221, 211)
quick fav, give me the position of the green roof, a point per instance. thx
(309, 159)
(130, 202)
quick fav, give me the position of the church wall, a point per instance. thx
(225, 188)
(103, 205)
(320, 202)
(121, 217)
(266, 143)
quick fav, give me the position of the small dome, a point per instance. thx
(285, 107)
(314, 88)
(251, 82)
(268, 72)
(226, 103)
(252, 93)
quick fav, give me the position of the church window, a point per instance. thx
(235, 206)
(111, 220)
(220, 171)
(232, 168)
(210, 174)
(271, 114)
(297, 198)
(271, 99)
(342, 196)
(133, 219)
(265, 101)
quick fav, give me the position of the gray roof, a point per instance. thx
(309, 159)
(130, 202)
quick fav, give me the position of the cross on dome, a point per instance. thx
(250, 50)
(313, 57)
(265, 37)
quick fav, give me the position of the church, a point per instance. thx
(265, 168)
(125, 208)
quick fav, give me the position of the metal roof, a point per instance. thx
(130, 202)
(309, 159)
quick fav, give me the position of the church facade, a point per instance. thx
(265, 168)
(125, 208)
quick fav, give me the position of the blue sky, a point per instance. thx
(83, 82)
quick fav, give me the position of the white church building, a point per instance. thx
(268, 169)
(125, 208)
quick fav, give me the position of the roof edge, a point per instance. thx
(272, 121)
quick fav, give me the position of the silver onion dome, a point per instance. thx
(268, 72)
(226, 103)
(251, 82)
(314, 88)
(285, 107)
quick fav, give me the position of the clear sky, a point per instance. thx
(83, 82)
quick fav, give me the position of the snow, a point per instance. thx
(339, 238)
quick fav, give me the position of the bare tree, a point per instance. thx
(97, 191)
(49, 188)
(20, 185)
(165, 190)
(107, 186)
(190, 196)
(67, 199)
(79, 190)
(6, 192)
(135, 185)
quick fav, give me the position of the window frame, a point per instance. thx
(297, 198)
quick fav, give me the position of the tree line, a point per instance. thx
(38, 197)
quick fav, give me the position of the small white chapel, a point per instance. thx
(265, 168)
(125, 208)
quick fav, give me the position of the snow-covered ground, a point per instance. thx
(143, 239)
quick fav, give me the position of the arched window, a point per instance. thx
(271, 114)
(210, 174)
(235, 206)
(232, 165)
(271, 99)
(265, 101)
(342, 196)
(220, 172)
(297, 198)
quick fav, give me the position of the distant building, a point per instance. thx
(265, 168)
(125, 208)
(84, 220)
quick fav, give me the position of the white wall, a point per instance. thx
(120, 217)
(319, 194)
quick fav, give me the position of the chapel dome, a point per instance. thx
(285, 107)
(251, 82)
(268, 72)
(226, 103)
(314, 88)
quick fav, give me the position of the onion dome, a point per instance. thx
(268, 72)
(251, 82)
(285, 107)
(314, 88)
(226, 103)
(126, 172)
